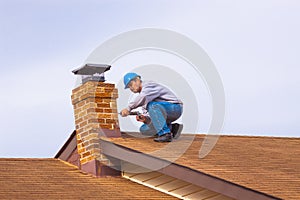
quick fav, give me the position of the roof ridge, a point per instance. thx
(26, 159)
(246, 136)
(261, 136)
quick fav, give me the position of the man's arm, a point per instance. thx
(149, 92)
(125, 112)
(137, 102)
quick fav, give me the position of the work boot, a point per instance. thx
(164, 138)
(176, 130)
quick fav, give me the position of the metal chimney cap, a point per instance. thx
(91, 69)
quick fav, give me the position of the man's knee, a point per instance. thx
(154, 106)
(143, 128)
(146, 130)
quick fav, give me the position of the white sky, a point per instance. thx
(255, 46)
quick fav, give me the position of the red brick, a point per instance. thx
(115, 126)
(107, 110)
(114, 111)
(94, 125)
(83, 124)
(80, 104)
(103, 105)
(74, 101)
(107, 100)
(88, 105)
(96, 121)
(110, 121)
(100, 89)
(86, 154)
(83, 113)
(90, 110)
(113, 105)
(81, 150)
(114, 115)
(90, 100)
(99, 110)
(106, 126)
(85, 96)
(86, 143)
(104, 116)
(110, 89)
(76, 89)
(101, 84)
(78, 137)
(104, 94)
(94, 141)
(94, 130)
(83, 134)
(77, 111)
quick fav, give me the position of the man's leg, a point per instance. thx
(174, 111)
(158, 117)
(162, 114)
(176, 130)
(148, 130)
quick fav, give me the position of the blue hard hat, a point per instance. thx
(129, 77)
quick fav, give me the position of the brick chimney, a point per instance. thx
(95, 111)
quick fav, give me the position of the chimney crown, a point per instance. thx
(92, 72)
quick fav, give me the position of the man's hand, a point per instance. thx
(143, 118)
(125, 112)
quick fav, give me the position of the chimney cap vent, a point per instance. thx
(91, 69)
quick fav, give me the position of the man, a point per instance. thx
(161, 107)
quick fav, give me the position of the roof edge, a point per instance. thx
(68, 147)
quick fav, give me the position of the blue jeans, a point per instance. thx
(161, 114)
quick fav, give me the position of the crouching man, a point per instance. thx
(161, 107)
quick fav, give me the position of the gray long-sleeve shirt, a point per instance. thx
(152, 91)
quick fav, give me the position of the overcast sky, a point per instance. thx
(254, 45)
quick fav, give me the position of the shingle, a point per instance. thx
(270, 165)
(55, 179)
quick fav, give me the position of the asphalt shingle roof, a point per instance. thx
(270, 165)
(55, 179)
